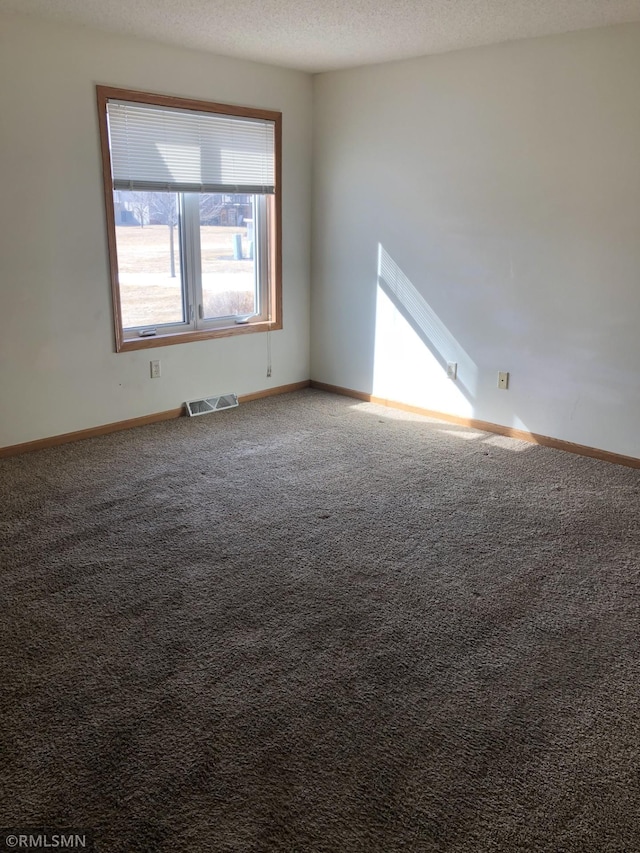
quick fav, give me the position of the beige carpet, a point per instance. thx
(310, 624)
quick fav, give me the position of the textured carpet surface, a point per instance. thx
(312, 624)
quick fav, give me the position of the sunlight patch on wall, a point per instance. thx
(413, 347)
(516, 423)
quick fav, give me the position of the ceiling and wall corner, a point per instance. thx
(323, 35)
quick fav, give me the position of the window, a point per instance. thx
(193, 216)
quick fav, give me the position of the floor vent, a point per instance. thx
(211, 404)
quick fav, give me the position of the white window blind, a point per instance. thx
(163, 148)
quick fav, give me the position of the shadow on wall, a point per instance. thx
(413, 347)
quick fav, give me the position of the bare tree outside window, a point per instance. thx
(164, 210)
(139, 206)
(211, 205)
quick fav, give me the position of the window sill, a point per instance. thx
(129, 344)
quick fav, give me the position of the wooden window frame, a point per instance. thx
(271, 289)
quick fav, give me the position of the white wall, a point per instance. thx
(484, 207)
(481, 207)
(58, 368)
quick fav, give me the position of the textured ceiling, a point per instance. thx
(320, 35)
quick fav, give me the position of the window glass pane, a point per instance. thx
(149, 264)
(227, 249)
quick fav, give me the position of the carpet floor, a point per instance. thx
(313, 625)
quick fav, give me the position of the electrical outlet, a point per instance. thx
(503, 380)
(155, 369)
(452, 369)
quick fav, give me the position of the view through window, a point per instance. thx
(150, 234)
